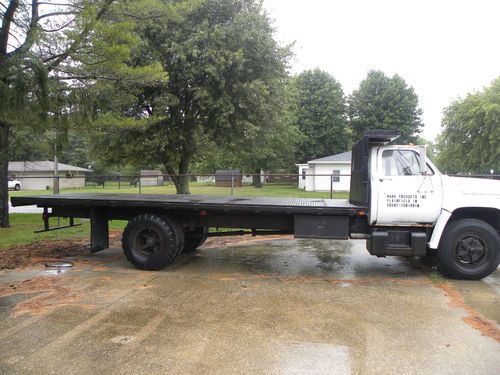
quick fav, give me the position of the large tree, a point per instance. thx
(383, 102)
(319, 111)
(225, 77)
(49, 52)
(470, 140)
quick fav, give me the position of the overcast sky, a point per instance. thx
(442, 48)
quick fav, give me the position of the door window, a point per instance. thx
(400, 163)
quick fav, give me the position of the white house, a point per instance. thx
(324, 173)
(38, 175)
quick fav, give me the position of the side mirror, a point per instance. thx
(422, 160)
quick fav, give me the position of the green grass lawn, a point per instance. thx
(23, 227)
(269, 190)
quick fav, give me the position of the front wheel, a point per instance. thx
(17, 187)
(469, 249)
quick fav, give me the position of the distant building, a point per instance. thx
(151, 177)
(226, 177)
(39, 175)
(335, 171)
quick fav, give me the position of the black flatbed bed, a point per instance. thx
(269, 205)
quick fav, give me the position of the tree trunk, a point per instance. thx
(4, 171)
(256, 181)
(182, 184)
(181, 180)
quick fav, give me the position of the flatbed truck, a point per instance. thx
(399, 202)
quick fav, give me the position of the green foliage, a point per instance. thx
(319, 111)
(382, 102)
(226, 74)
(470, 141)
(58, 56)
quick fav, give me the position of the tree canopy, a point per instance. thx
(226, 74)
(320, 113)
(50, 53)
(383, 102)
(470, 140)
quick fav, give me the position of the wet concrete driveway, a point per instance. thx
(273, 307)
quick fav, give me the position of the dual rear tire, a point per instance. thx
(152, 242)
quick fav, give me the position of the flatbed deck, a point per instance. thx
(282, 205)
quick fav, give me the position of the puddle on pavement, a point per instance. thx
(482, 295)
(53, 272)
(341, 259)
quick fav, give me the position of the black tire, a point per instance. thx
(469, 249)
(17, 187)
(194, 240)
(179, 233)
(151, 242)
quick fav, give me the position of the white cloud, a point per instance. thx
(443, 48)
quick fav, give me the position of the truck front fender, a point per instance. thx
(444, 216)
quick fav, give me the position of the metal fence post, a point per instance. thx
(140, 187)
(232, 184)
(55, 189)
(331, 186)
(119, 182)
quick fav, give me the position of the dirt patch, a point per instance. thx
(236, 240)
(486, 326)
(47, 295)
(22, 256)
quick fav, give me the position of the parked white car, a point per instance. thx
(14, 184)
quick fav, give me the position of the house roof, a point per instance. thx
(43, 166)
(344, 157)
(150, 172)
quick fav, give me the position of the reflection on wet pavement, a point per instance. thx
(343, 259)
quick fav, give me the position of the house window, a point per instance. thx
(335, 175)
(303, 174)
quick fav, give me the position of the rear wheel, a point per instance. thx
(194, 240)
(469, 249)
(152, 242)
(17, 187)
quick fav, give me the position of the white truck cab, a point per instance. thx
(410, 200)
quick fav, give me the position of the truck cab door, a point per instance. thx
(404, 195)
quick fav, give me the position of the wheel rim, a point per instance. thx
(147, 242)
(470, 250)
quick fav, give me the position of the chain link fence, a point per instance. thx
(270, 185)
